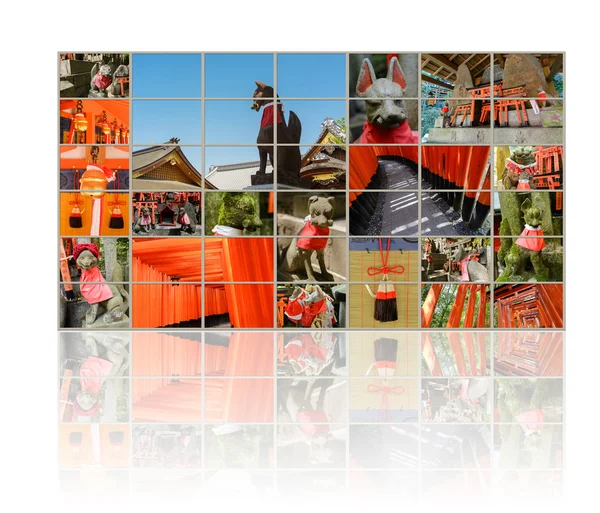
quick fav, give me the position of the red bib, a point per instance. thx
(267, 117)
(307, 242)
(531, 244)
(373, 134)
(94, 292)
(101, 81)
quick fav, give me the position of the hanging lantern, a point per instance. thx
(80, 122)
(93, 182)
(105, 125)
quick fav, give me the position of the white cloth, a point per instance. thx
(227, 231)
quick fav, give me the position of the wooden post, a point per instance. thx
(482, 307)
(429, 304)
(457, 308)
(430, 357)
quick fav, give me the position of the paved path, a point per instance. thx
(439, 219)
(399, 175)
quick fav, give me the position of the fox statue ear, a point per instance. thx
(261, 85)
(366, 77)
(395, 73)
(525, 205)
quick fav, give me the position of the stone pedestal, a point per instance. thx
(509, 136)
(261, 179)
(98, 94)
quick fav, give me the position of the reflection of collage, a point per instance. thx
(198, 405)
(287, 267)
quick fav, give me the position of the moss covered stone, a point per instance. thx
(510, 206)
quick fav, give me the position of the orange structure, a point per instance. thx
(239, 399)
(161, 354)
(364, 163)
(529, 354)
(466, 364)
(158, 260)
(166, 400)
(239, 354)
(228, 263)
(167, 304)
(180, 399)
(89, 445)
(548, 168)
(105, 122)
(70, 200)
(466, 294)
(464, 173)
(78, 157)
(529, 305)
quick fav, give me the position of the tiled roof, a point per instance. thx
(143, 185)
(147, 156)
(234, 176)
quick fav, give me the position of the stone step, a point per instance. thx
(73, 67)
(78, 79)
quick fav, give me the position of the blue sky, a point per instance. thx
(156, 121)
(311, 75)
(234, 75)
(233, 122)
(166, 76)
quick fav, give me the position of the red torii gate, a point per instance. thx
(529, 305)
(454, 320)
(463, 369)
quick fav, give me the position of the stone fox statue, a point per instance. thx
(470, 268)
(104, 81)
(288, 157)
(237, 213)
(110, 301)
(313, 238)
(386, 111)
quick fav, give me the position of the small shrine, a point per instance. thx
(167, 213)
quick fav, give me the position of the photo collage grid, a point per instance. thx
(409, 191)
(323, 271)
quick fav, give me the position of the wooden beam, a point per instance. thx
(426, 78)
(442, 59)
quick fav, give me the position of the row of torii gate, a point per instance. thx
(462, 172)
(519, 306)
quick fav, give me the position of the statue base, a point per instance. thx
(100, 324)
(98, 94)
(261, 178)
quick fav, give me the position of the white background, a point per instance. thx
(33, 34)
